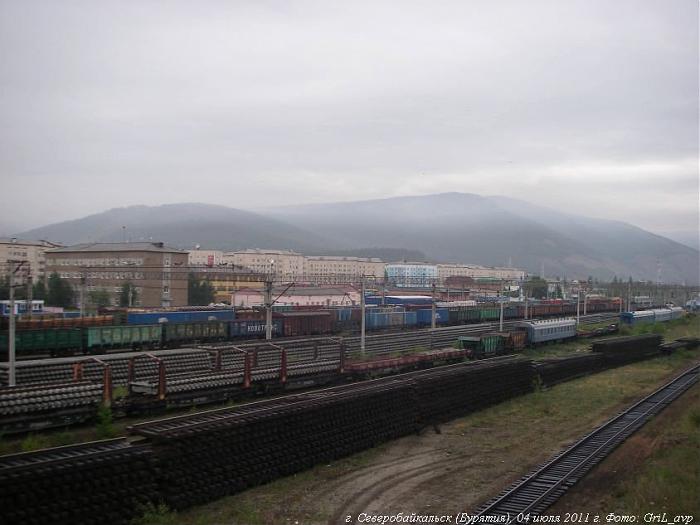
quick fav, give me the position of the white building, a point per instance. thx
(475, 271)
(318, 267)
(282, 263)
(33, 252)
(411, 274)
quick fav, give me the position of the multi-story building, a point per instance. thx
(299, 296)
(281, 263)
(475, 271)
(321, 268)
(157, 272)
(226, 279)
(411, 274)
(33, 252)
(208, 258)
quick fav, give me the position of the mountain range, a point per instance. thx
(447, 227)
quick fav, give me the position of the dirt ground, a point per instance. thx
(454, 470)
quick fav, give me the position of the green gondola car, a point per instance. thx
(489, 313)
(485, 345)
(124, 336)
(175, 333)
(55, 341)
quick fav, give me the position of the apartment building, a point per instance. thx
(33, 252)
(320, 267)
(158, 273)
(474, 271)
(282, 263)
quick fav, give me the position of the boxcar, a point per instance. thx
(253, 328)
(305, 323)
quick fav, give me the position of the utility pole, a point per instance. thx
(525, 307)
(500, 300)
(585, 304)
(433, 311)
(11, 335)
(578, 306)
(83, 278)
(30, 293)
(629, 296)
(268, 308)
(500, 324)
(362, 315)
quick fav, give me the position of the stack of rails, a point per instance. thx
(448, 392)
(36, 407)
(215, 453)
(61, 369)
(265, 362)
(220, 452)
(620, 350)
(683, 343)
(97, 483)
(557, 370)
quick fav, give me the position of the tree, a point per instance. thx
(39, 290)
(199, 292)
(536, 287)
(5, 287)
(128, 295)
(60, 292)
(100, 298)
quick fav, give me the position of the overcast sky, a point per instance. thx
(588, 106)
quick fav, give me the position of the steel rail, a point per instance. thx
(533, 500)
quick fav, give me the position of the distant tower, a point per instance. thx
(510, 262)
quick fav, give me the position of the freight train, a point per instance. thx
(146, 330)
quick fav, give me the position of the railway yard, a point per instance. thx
(432, 422)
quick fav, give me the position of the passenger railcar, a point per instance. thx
(539, 332)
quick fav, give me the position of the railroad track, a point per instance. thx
(537, 491)
(376, 344)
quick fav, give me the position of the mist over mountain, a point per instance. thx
(183, 226)
(448, 227)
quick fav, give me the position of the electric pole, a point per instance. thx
(268, 308)
(83, 279)
(578, 306)
(30, 293)
(500, 300)
(362, 315)
(11, 335)
(433, 311)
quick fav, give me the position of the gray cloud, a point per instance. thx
(584, 105)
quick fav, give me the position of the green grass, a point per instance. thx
(670, 480)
